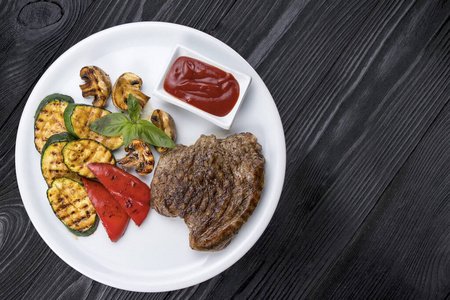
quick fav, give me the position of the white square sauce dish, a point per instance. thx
(190, 93)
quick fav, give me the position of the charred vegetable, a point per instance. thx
(128, 83)
(131, 193)
(111, 214)
(97, 84)
(48, 119)
(77, 118)
(77, 154)
(140, 156)
(72, 206)
(52, 163)
(165, 122)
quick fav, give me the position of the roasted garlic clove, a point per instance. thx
(165, 122)
(128, 83)
(140, 156)
(97, 84)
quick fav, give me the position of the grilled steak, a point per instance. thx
(214, 185)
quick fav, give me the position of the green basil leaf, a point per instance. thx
(153, 135)
(133, 108)
(110, 124)
(129, 133)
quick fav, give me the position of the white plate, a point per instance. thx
(226, 121)
(156, 256)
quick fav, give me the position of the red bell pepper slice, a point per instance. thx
(111, 214)
(131, 193)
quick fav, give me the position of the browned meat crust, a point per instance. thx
(213, 185)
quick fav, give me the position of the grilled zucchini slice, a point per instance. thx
(78, 154)
(77, 118)
(52, 163)
(72, 206)
(48, 119)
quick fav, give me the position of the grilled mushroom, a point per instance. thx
(97, 84)
(128, 83)
(140, 156)
(165, 122)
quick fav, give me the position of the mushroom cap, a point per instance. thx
(97, 84)
(128, 83)
(165, 122)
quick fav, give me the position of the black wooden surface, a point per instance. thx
(363, 90)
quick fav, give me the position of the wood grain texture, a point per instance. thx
(405, 239)
(363, 90)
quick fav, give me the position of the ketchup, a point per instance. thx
(202, 85)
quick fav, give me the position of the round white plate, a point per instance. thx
(156, 256)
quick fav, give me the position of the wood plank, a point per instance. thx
(28, 47)
(357, 86)
(401, 251)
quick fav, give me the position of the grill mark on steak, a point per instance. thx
(214, 185)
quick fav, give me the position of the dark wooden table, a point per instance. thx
(363, 90)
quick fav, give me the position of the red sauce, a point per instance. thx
(202, 85)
